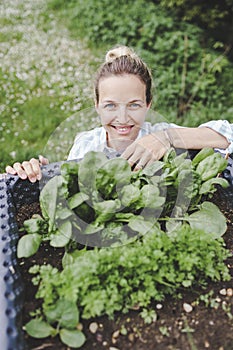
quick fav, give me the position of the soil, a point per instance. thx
(207, 324)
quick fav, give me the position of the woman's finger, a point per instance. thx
(143, 161)
(27, 169)
(43, 160)
(10, 170)
(36, 169)
(133, 153)
(19, 170)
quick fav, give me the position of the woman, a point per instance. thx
(122, 99)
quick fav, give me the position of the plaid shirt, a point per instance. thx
(95, 140)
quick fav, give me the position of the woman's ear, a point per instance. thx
(96, 106)
(149, 105)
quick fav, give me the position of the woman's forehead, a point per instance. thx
(122, 87)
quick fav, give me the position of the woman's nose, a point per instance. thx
(122, 114)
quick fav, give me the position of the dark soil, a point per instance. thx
(209, 325)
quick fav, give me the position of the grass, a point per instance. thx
(43, 78)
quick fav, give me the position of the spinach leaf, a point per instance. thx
(88, 170)
(140, 225)
(28, 245)
(72, 337)
(150, 196)
(69, 172)
(39, 329)
(62, 236)
(114, 173)
(201, 155)
(49, 198)
(106, 210)
(77, 199)
(65, 311)
(211, 166)
(208, 218)
(209, 185)
(129, 194)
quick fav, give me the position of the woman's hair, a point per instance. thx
(123, 60)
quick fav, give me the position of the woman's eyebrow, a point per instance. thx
(136, 100)
(131, 101)
(107, 101)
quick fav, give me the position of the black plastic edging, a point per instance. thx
(14, 192)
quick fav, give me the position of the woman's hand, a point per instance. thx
(28, 169)
(147, 149)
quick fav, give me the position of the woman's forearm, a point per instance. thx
(196, 138)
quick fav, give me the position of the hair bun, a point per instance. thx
(118, 52)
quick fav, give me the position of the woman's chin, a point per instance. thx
(120, 143)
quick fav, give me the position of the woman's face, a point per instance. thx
(122, 108)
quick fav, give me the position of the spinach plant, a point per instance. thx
(102, 202)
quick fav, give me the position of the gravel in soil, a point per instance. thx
(182, 323)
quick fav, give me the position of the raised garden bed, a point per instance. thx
(197, 320)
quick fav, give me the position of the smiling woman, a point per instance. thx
(122, 108)
(122, 99)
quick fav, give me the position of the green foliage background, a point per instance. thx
(188, 69)
(191, 63)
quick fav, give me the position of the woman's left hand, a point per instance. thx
(146, 150)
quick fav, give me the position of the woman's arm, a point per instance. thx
(196, 138)
(152, 147)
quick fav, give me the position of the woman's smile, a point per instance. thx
(123, 129)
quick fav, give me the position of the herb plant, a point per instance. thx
(106, 280)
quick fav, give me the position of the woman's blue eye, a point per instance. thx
(134, 105)
(110, 106)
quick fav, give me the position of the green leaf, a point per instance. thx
(107, 209)
(39, 329)
(124, 217)
(28, 245)
(77, 199)
(204, 152)
(129, 194)
(88, 169)
(34, 224)
(63, 213)
(211, 166)
(138, 224)
(48, 199)
(72, 338)
(210, 219)
(117, 170)
(208, 186)
(65, 312)
(114, 173)
(151, 196)
(69, 258)
(69, 168)
(93, 228)
(63, 235)
(151, 169)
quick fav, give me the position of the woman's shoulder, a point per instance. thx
(90, 134)
(87, 141)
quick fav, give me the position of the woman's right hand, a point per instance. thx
(28, 169)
